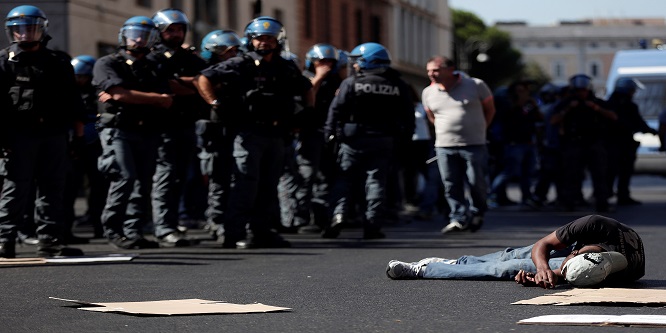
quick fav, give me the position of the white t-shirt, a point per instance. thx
(459, 117)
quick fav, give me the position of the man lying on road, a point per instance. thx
(585, 252)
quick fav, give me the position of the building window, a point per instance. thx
(232, 14)
(593, 45)
(376, 29)
(359, 26)
(612, 44)
(558, 70)
(278, 14)
(177, 4)
(308, 18)
(144, 3)
(595, 69)
(557, 45)
(206, 11)
(541, 45)
(344, 24)
(324, 27)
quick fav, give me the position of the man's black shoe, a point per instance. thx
(48, 249)
(333, 231)
(175, 239)
(7, 250)
(124, 243)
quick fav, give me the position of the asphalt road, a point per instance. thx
(330, 285)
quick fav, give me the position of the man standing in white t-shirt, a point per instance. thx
(461, 109)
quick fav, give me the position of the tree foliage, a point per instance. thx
(504, 64)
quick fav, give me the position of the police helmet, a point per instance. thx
(141, 30)
(166, 17)
(580, 81)
(83, 64)
(319, 52)
(243, 44)
(371, 56)
(264, 26)
(628, 85)
(218, 42)
(26, 24)
(343, 59)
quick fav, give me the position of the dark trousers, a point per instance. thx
(174, 153)
(128, 161)
(363, 162)
(258, 164)
(34, 160)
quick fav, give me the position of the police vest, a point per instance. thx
(142, 76)
(269, 91)
(174, 64)
(42, 90)
(377, 103)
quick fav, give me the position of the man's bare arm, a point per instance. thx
(545, 277)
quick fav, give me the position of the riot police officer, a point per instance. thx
(621, 146)
(267, 84)
(84, 157)
(135, 97)
(39, 104)
(372, 110)
(215, 135)
(310, 177)
(176, 150)
(583, 120)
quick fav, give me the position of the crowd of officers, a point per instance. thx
(132, 122)
(278, 148)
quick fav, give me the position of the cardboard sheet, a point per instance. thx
(598, 320)
(601, 295)
(67, 260)
(176, 307)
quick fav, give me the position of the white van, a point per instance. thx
(648, 67)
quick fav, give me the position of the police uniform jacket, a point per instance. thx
(120, 69)
(266, 91)
(173, 64)
(38, 92)
(371, 103)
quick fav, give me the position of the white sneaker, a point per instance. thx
(398, 270)
(453, 226)
(430, 260)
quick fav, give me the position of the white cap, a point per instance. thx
(588, 269)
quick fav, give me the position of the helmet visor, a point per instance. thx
(25, 29)
(139, 37)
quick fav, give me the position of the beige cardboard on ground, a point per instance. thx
(176, 307)
(601, 295)
(598, 320)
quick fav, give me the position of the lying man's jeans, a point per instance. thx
(502, 265)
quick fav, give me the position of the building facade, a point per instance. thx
(587, 46)
(412, 30)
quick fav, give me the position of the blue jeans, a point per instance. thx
(460, 164)
(501, 265)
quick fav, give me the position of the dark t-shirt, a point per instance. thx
(610, 235)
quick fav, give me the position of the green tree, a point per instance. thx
(472, 37)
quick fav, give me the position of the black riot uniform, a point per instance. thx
(372, 110)
(267, 90)
(130, 134)
(39, 102)
(176, 150)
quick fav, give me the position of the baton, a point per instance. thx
(432, 159)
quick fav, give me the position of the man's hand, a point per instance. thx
(525, 278)
(546, 279)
